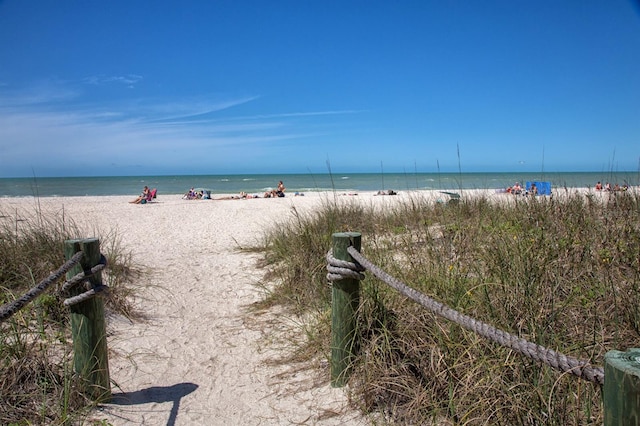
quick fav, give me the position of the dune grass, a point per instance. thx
(563, 273)
(37, 384)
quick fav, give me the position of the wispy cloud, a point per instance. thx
(46, 92)
(129, 80)
(62, 127)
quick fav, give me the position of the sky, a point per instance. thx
(129, 88)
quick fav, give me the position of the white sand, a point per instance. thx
(201, 357)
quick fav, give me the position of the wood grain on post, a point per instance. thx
(344, 307)
(621, 391)
(90, 359)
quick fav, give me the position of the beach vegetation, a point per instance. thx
(37, 383)
(561, 272)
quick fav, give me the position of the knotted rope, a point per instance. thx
(341, 269)
(579, 368)
(7, 310)
(83, 277)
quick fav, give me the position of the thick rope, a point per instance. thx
(582, 369)
(84, 275)
(7, 310)
(341, 269)
(86, 295)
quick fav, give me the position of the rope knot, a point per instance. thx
(83, 277)
(342, 269)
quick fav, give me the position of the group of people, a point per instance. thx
(517, 189)
(273, 193)
(607, 187)
(199, 194)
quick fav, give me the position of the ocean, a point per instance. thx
(259, 183)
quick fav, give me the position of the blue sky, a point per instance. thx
(216, 87)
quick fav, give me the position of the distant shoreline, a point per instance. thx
(306, 183)
(433, 195)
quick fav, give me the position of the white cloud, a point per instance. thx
(54, 129)
(129, 80)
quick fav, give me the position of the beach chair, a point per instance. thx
(150, 196)
(454, 197)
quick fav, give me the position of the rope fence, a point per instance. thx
(9, 309)
(345, 267)
(83, 270)
(554, 359)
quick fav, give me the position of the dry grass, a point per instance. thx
(37, 384)
(562, 272)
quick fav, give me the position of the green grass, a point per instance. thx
(563, 273)
(37, 384)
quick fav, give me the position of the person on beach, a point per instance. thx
(243, 196)
(143, 196)
(278, 192)
(190, 195)
(533, 190)
(599, 186)
(516, 189)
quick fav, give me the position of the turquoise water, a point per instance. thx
(257, 184)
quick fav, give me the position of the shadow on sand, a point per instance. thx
(157, 394)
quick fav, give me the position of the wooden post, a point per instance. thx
(90, 359)
(621, 391)
(344, 307)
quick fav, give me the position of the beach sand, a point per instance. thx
(200, 356)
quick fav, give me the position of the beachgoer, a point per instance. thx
(143, 196)
(599, 186)
(516, 189)
(533, 190)
(278, 192)
(190, 195)
(607, 186)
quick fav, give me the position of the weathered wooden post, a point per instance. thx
(344, 307)
(90, 359)
(621, 391)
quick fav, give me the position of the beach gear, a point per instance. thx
(544, 188)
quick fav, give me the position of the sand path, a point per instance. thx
(200, 357)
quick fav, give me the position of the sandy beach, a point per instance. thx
(201, 357)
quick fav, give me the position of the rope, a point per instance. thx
(7, 310)
(86, 295)
(550, 357)
(341, 269)
(84, 275)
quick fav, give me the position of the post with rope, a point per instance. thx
(621, 391)
(345, 295)
(90, 359)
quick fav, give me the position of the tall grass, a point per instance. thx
(37, 384)
(563, 273)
